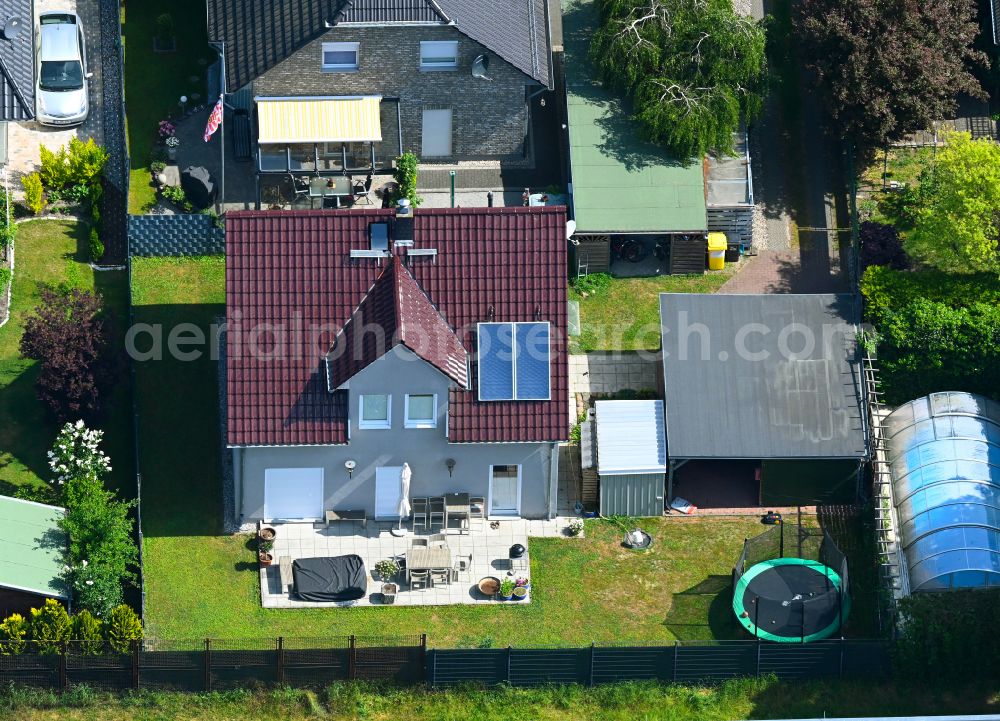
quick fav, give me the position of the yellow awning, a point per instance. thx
(318, 120)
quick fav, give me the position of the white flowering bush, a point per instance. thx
(76, 453)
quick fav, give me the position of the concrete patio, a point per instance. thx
(489, 548)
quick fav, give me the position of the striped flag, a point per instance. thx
(214, 120)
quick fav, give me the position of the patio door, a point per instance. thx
(505, 490)
(387, 492)
(293, 494)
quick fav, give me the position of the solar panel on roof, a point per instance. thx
(496, 362)
(531, 364)
(514, 361)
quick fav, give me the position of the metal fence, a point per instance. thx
(210, 664)
(114, 211)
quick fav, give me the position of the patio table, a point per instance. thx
(428, 558)
(457, 504)
(342, 188)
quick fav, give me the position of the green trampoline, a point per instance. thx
(790, 600)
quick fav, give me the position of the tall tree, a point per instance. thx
(72, 341)
(692, 68)
(889, 67)
(957, 218)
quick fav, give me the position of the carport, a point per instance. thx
(765, 390)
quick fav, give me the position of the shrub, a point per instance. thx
(76, 453)
(886, 289)
(167, 129)
(73, 342)
(592, 284)
(49, 626)
(176, 195)
(95, 215)
(78, 164)
(7, 234)
(13, 629)
(33, 193)
(405, 176)
(95, 245)
(5, 277)
(122, 628)
(54, 171)
(881, 245)
(157, 166)
(88, 630)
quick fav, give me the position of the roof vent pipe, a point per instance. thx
(402, 230)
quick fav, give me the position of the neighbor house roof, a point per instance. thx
(293, 269)
(259, 34)
(33, 546)
(630, 437)
(17, 61)
(621, 183)
(396, 308)
(761, 376)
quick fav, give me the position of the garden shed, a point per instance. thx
(763, 399)
(32, 567)
(631, 457)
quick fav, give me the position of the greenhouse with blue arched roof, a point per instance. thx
(944, 457)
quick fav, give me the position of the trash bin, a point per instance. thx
(733, 253)
(717, 245)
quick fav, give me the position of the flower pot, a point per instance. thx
(520, 593)
(266, 533)
(389, 591)
(172, 152)
(502, 597)
(265, 559)
(489, 586)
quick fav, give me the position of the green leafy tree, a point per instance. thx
(88, 631)
(13, 629)
(957, 221)
(886, 68)
(693, 70)
(49, 627)
(122, 628)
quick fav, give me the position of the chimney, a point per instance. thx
(402, 228)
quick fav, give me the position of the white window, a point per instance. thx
(436, 139)
(375, 411)
(439, 55)
(421, 411)
(340, 57)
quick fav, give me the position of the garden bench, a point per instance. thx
(241, 135)
(336, 516)
(285, 571)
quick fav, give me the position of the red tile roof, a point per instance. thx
(291, 286)
(395, 310)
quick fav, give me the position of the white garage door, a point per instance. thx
(387, 492)
(293, 493)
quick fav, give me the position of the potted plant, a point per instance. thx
(266, 533)
(520, 593)
(172, 144)
(575, 527)
(506, 589)
(264, 552)
(387, 569)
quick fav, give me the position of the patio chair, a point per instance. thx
(463, 564)
(418, 543)
(436, 511)
(300, 186)
(364, 190)
(419, 511)
(438, 539)
(477, 508)
(421, 579)
(440, 575)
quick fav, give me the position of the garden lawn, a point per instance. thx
(154, 82)
(53, 252)
(626, 314)
(745, 698)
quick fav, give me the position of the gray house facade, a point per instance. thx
(402, 365)
(451, 79)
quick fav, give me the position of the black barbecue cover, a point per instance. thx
(199, 186)
(337, 578)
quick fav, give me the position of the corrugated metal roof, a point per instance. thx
(630, 437)
(621, 183)
(33, 547)
(17, 63)
(761, 376)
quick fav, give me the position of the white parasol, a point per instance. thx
(404, 497)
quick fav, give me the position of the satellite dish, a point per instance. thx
(13, 28)
(479, 67)
(570, 229)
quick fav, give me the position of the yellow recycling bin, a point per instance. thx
(717, 251)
